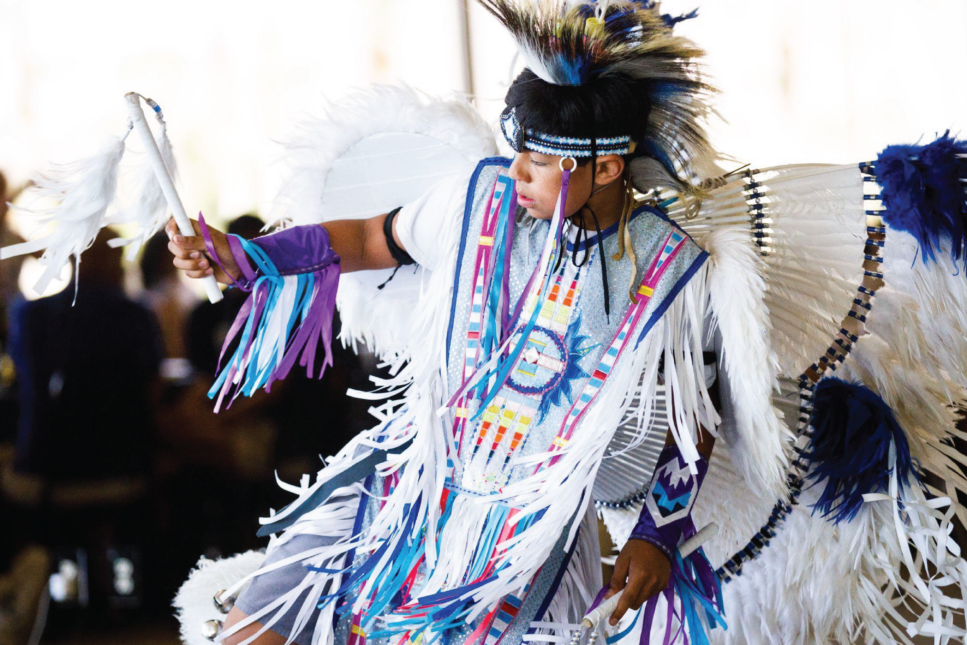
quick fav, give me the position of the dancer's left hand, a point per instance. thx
(642, 570)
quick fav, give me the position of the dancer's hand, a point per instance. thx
(192, 258)
(647, 571)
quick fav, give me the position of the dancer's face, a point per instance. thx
(538, 178)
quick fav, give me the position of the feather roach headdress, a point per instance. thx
(608, 77)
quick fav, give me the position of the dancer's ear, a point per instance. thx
(608, 168)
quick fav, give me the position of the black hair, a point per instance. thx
(610, 106)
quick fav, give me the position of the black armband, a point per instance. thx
(399, 254)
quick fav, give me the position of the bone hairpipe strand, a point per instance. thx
(133, 100)
(688, 547)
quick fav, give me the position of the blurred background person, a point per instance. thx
(9, 269)
(166, 295)
(10, 295)
(88, 374)
(23, 566)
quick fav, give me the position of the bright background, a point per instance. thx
(804, 81)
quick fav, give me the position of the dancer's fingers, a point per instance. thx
(619, 576)
(632, 591)
(191, 264)
(200, 274)
(190, 242)
(184, 253)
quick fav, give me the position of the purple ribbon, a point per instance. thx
(210, 248)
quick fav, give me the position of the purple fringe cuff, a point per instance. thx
(286, 316)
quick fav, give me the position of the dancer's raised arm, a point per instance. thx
(359, 243)
(293, 276)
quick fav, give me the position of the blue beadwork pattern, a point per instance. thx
(520, 139)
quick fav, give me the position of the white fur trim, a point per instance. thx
(194, 601)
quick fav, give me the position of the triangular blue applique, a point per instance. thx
(670, 505)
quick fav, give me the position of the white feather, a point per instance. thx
(85, 190)
(148, 207)
(913, 355)
(753, 425)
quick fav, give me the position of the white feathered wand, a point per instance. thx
(86, 189)
(164, 179)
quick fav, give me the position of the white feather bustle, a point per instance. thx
(922, 313)
(748, 377)
(380, 319)
(821, 583)
(818, 582)
(194, 601)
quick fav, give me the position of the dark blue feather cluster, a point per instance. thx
(850, 448)
(924, 195)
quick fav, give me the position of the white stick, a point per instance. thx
(167, 185)
(687, 548)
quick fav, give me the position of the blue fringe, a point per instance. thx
(923, 194)
(702, 604)
(853, 429)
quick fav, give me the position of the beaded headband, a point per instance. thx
(549, 144)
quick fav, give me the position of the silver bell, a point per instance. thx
(210, 629)
(223, 604)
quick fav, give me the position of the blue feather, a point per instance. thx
(924, 195)
(853, 429)
(671, 21)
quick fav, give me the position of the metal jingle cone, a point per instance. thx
(210, 629)
(224, 605)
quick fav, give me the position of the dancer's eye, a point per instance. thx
(539, 164)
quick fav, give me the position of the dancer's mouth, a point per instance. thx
(526, 202)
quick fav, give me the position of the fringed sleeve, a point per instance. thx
(287, 315)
